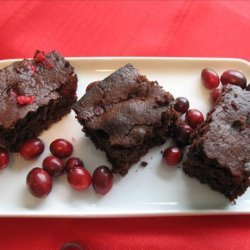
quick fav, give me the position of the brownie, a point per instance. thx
(125, 115)
(219, 154)
(34, 94)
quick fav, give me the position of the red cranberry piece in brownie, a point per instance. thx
(33, 96)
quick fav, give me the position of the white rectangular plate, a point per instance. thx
(152, 190)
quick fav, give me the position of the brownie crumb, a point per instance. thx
(143, 164)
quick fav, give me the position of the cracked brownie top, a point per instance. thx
(224, 137)
(124, 106)
(29, 84)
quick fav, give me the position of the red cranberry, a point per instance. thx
(248, 87)
(102, 180)
(172, 155)
(183, 134)
(79, 178)
(39, 182)
(32, 148)
(53, 165)
(215, 94)
(73, 162)
(181, 105)
(4, 158)
(25, 100)
(40, 57)
(194, 117)
(61, 148)
(210, 78)
(91, 85)
(234, 77)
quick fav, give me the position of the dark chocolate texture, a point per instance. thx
(51, 84)
(220, 151)
(125, 115)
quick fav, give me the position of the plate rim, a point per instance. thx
(148, 213)
(163, 58)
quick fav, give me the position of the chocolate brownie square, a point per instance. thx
(34, 94)
(125, 115)
(220, 151)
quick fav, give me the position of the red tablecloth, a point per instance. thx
(126, 28)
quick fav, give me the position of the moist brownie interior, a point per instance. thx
(34, 94)
(220, 151)
(125, 115)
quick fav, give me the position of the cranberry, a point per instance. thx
(79, 178)
(53, 165)
(183, 134)
(102, 180)
(248, 87)
(181, 105)
(39, 182)
(234, 77)
(4, 158)
(40, 57)
(91, 85)
(32, 148)
(194, 117)
(25, 100)
(61, 148)
(210, 78)
(73, 162)
(172, 155)
(215, 94)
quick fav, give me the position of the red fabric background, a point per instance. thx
(126, 28)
